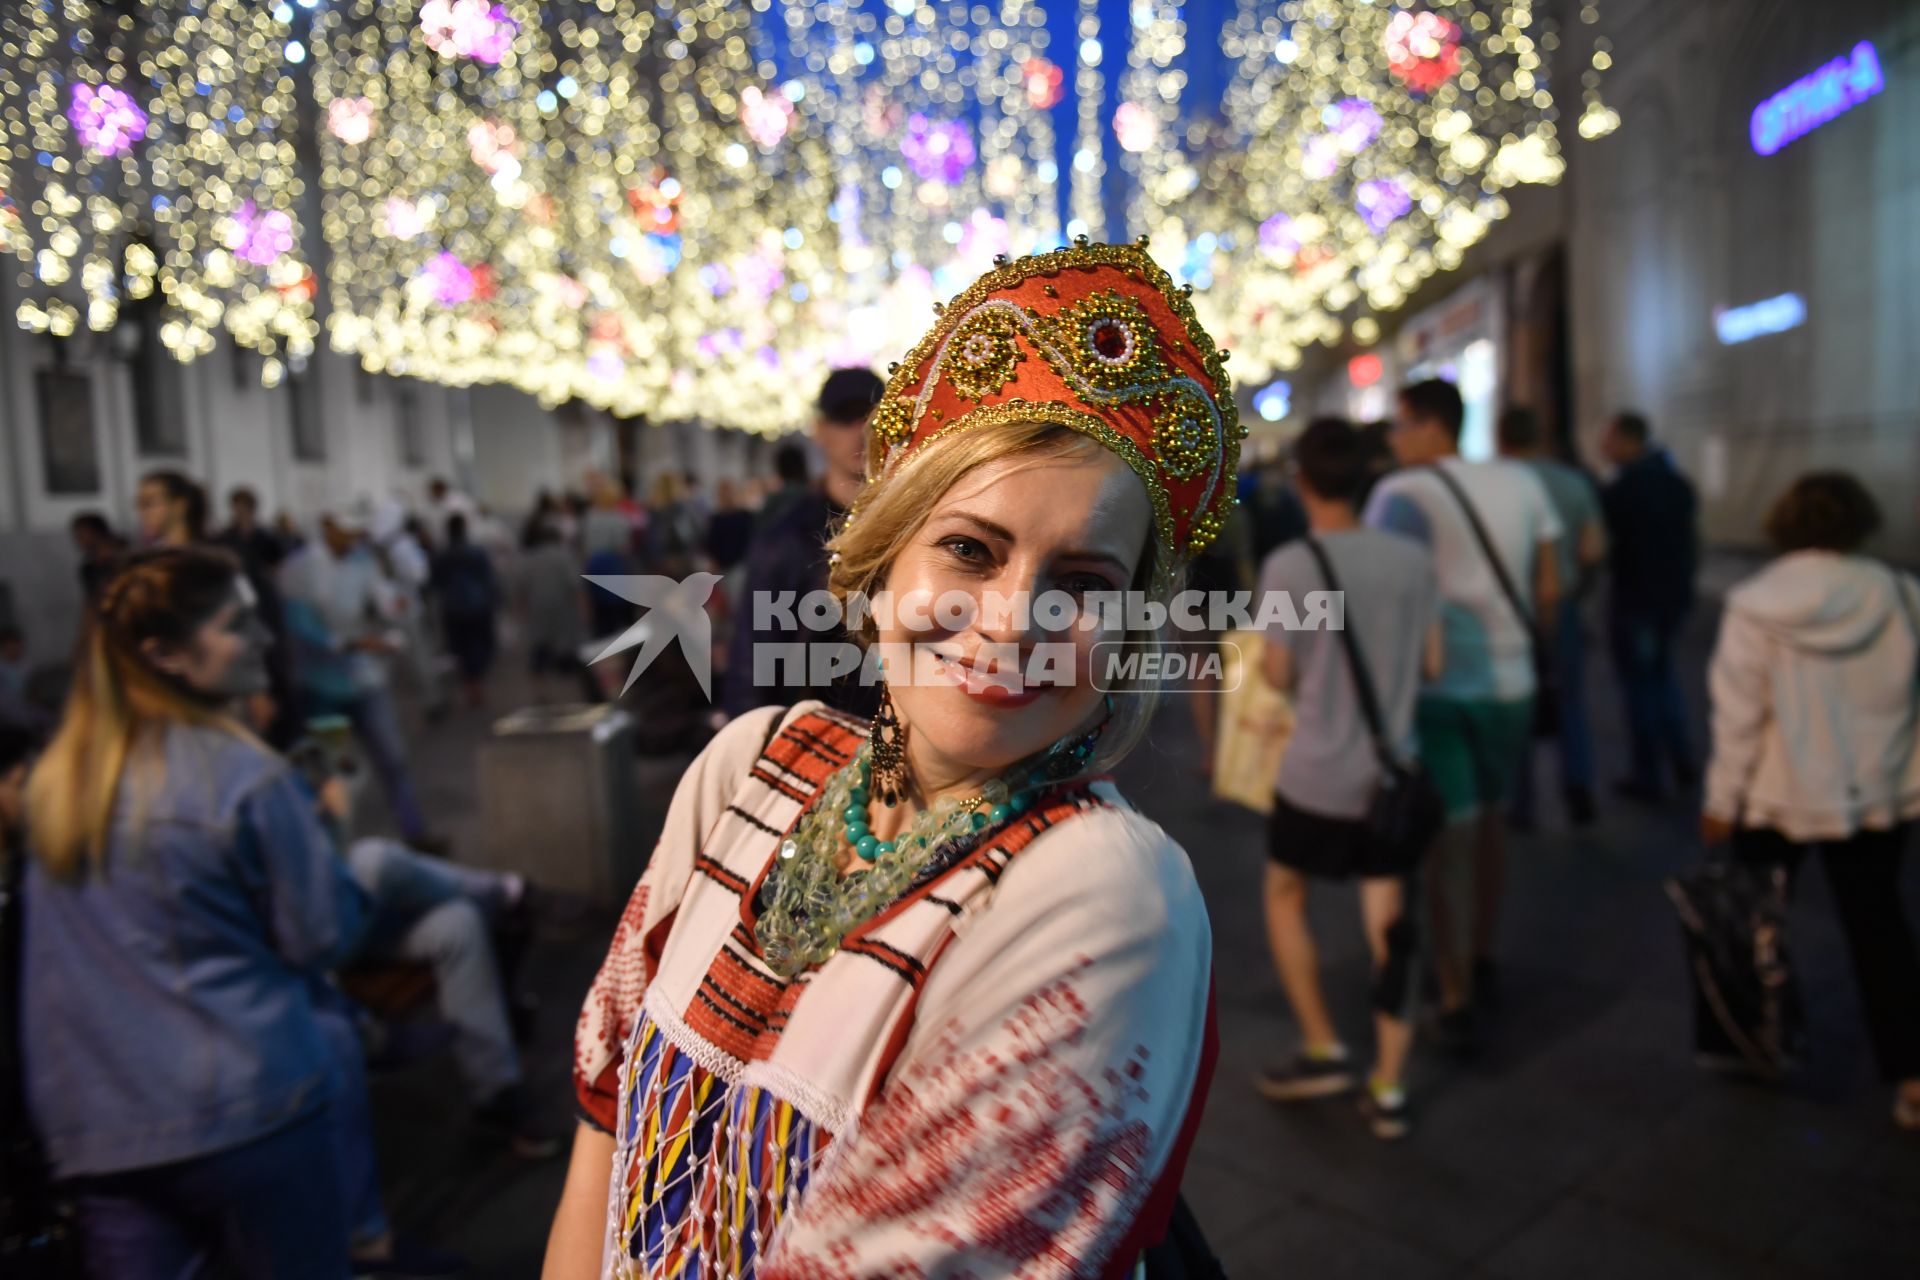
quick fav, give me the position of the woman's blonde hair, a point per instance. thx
(119, 704)
(893, 508)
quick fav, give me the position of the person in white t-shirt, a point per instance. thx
(1474, 722)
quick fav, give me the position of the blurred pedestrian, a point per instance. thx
(789, 552)
(1815, 688)
(181, 902)
(1651, 526)
(332, 594)
(1492, 529)
(556, 618)
(606, 545)
(171, 510)
(259, 550)
(406, 567)
(443, 503)
(1332, 768)
(1579, 553)
(100, 550)
(729, 529)
(469, 596)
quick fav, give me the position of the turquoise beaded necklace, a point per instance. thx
(807, 906)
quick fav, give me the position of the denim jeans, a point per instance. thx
(1656, 712)
(269, 1208)
(434, 912)
(377, 722)
(1574, 741)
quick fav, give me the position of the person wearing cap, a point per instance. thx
(333, 594)
(926, 995)
(788, 556)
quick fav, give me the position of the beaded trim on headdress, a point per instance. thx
(1097, 338)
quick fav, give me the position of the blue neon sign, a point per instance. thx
(1758, 319)
(1816, 98)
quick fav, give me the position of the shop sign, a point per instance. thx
(1816, 98)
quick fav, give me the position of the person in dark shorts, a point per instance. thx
(1331, 768)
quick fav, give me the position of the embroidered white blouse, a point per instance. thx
(996, 1076)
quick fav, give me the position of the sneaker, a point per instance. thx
(511, 1114)
(1388, 1114)
(1306, 1078)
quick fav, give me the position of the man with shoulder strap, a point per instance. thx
(1492, 529)
(1334, 765)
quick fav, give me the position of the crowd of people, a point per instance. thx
(1467, 592)
(195, 875)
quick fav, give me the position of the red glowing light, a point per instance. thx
(1365, 370)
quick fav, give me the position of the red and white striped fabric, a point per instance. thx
(996, 1076)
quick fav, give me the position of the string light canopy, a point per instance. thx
(1361, 148)
(148, 146)
(693, 208)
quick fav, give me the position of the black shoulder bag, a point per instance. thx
(1546, 688)
(1405, 812)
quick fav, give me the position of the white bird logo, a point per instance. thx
(673, 610)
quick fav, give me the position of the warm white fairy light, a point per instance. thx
(1366, 148)
(150, 149)
(1087, 186)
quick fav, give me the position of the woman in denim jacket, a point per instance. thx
(181, 902)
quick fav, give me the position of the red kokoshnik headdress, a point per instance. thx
(1095, 337)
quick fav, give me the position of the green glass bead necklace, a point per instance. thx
(807, 906)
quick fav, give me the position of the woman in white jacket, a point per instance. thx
(1815, 685)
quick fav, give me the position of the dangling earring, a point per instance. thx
(887, 751)
(1070, 755)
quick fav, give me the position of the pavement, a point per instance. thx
(1582, 1142)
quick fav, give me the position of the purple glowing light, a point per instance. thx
(1354, 123)
(468, 29)
(107, 119)
(260, 238)
(937, 150)
(1277, 235)
(450, 279)
(1382, 202)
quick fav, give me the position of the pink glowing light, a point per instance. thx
(1043, 81)
(765, 116)
(937, 150)
(1423, 50)
(350, 120)
(468, 29)
(107, 119)
(260, 238)
(403, 219)
(982, 236)
(492, 145)
(450, 279)
(1135, 127)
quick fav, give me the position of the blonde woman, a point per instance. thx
(181, 898)
(928, 996)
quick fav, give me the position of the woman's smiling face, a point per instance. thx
(1003, 536)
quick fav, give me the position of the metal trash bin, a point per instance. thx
(558, 798)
